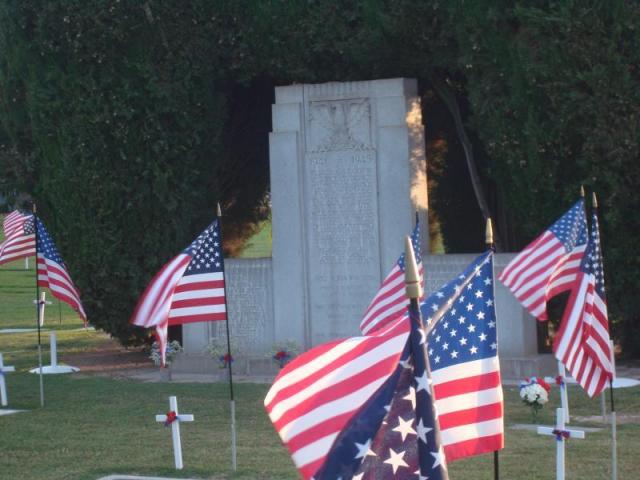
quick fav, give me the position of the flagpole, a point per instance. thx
(35, 228)
(488, 236)
(614, 427)
(232, 403)
(414, 292)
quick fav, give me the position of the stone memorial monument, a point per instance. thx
(348, 174)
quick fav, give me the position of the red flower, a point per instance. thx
(171, 417)
(544, 384)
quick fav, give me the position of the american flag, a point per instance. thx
(52, 272)
(12, 220)
(550, 264)
(391, 300)
(462, 349)
(189, 288)
(18, 242)
(360, 408)
(583, 342)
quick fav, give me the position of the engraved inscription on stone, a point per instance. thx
(343, 206)
(339, 125)
(342, 225)
(249, 305)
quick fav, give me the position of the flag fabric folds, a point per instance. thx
(12, 220)
(51, 269)
(583, 344)
(189, 288)
(462, 350)
(391, 300)
(550, 264)
(360, 408)
(19, 238)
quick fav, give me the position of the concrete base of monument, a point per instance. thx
(535, 365)
(55, 369)
(242, 365)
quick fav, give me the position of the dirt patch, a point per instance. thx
(109, 358)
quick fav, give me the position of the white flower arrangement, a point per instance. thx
(534, 393)
(173, 348)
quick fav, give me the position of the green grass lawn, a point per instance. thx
(93, 426)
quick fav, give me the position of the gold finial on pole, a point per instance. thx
(219, 212)
(594, 200)
(33, 207)
(582, 191)
(489, 233)
(411, 275)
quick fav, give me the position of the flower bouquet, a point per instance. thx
(218, 349)
(534, 393)
(173, 348)
(282, 353)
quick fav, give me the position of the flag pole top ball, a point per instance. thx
(33, 207)
(594, 200)
(582, 191)
(411, 276)
(219, 212)
(489, 233)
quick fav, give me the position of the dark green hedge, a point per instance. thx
(128, 119)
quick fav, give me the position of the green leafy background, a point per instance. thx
(127, 120)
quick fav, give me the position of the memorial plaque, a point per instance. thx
(343, 172)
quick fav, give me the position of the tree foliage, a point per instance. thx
(127, 120)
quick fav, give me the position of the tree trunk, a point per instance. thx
(449, 98)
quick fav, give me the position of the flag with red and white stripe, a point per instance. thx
(320, 393)
(462, 349)
(19, 242)
(583, 344)
(189, 288)
(52, 271)
(391, 300)
(12, 220)
(550, 264)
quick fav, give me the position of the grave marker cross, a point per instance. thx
(3, 386)
(561, 435)
(41, 304)
(173, 418)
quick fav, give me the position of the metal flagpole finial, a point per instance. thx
(594, 200)
(33, 207)
(488, 235)
(219, 212)
(582, 191)
(411, 275)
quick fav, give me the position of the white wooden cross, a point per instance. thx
(561, 435)
(561, 380)
(174, 418)
(3, 386)
(43, 301)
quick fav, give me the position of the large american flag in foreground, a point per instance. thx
(360, 408)
(52, 272)
(583, 342)
(19, 242)
(550, 264)
(462, 349)
(189, 288)
(391, 300)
